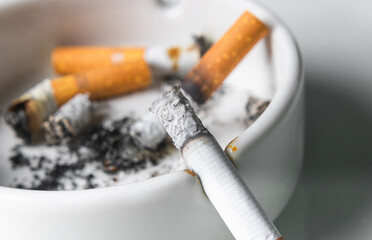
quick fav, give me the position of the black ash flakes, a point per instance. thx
(96, 159)
(107, 153)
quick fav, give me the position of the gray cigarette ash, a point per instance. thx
(255, 107)
(104, 155)
(177, 116)
(69, 120)
(148, 132)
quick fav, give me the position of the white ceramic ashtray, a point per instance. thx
(157, 200)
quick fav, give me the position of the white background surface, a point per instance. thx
(334, 197)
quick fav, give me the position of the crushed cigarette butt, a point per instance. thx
(26, 113)
(69, 120)
(44, 98)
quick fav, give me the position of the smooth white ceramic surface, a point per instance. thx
(171, 206)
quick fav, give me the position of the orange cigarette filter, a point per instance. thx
(103, 82)
(26, 114)
(67, 60)
(204, 79)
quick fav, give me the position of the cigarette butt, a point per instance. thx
(102, 83)
(69, 120)
(67, 60)
(203, 80)
(26, 114)
(161, 59)
(221, 182)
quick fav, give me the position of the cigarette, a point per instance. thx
(69, 120)
(26, 114)
(221, 182)
(160, 59)
(203, 80)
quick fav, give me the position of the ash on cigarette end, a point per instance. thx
(177, 116)
(17, 119)
(69, 120)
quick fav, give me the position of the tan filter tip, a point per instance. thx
(205, 78)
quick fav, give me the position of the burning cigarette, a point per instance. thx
(202, 81)
(220, 180)
(160, 59)
(69, 120)
(27, 112)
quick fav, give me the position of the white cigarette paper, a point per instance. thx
(221, 182)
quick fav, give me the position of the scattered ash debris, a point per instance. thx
(18, 119)
(18, 159)
(255, 107)
(108, 153)
(99, 157)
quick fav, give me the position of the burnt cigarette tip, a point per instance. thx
(202, 43)
(16, 117)
(69, 120)
(193, 89)
(177, 116)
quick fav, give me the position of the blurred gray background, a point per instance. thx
(334, 197)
